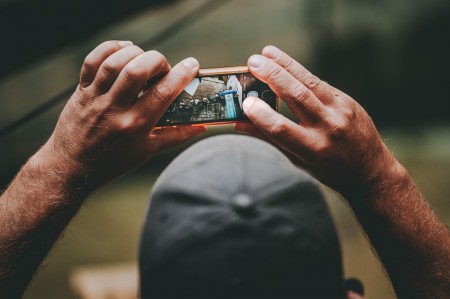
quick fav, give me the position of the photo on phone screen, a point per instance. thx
(216, 99)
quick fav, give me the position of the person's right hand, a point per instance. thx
(334, 139)
(106, 128)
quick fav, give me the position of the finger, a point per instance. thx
(353, 295)
(134, 76)
(354, 288)
(302, 102)
(165, 138)
(112, 66)
(157, 98)
(322, 90)
(250, 129)
(94, 59)
(284, 132)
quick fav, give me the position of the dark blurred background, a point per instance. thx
(391, 56)
(31, 30)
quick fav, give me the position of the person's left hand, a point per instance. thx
(333, 137)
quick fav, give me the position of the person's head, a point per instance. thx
(231, 217)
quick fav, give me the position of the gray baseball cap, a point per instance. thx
(232, 217)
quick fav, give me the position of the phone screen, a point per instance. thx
(216, 98)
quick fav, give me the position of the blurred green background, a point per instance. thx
(391, 56)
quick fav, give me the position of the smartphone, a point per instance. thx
(215, 96)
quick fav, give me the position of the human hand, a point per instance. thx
(334, 139)
(353, 295)
(106, 128)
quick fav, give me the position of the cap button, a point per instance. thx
(243, 204)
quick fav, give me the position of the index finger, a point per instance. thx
(158, 98)
(282, 131)
(320, 88)
(303, 103)
(134, 76)
(96, 57)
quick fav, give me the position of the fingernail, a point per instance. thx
(271, 52)
(239, 128)
(256, 61)
(190, 62)
(248, 102)
(200, 130)
(354, 285)
(125, 43)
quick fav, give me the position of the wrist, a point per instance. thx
(384, 177)
(60, 171)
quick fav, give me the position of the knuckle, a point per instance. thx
(349, 114)
(278, 128)
(131, 52)
(109, 68)
(344, 119)
(274, 74)
(312, 81)
(290, 65)
(338, 127)
(323, 148)
(128, 124)
(133, 72)
(88, 71)
(81, 96)
(298, 92)
(88, 63)
(157, 57)
(162, 92)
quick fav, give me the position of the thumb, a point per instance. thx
(354, 295)
(164, 138)
(275, 126)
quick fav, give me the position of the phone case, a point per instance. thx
(215, 97)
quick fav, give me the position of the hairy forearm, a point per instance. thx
(338, 143)
(34, 211)
(102, 133)
(411, 241)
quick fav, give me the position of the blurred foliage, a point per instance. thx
(35, 29)
(392, 56)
